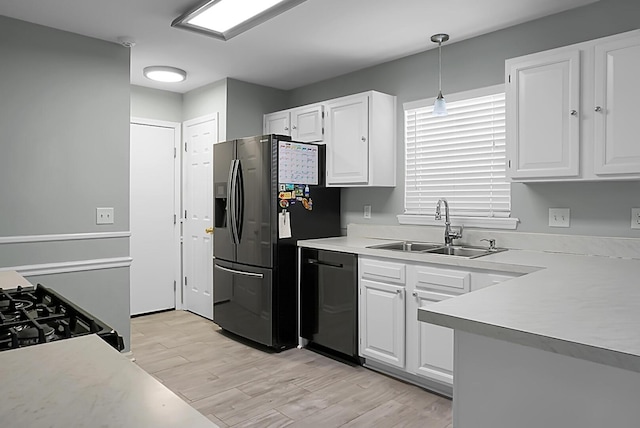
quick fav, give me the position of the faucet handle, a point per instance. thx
(456, 231)
(492, 243)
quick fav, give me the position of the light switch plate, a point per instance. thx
(104, 215)
(559, 217)
(367, 211)
(635, 218)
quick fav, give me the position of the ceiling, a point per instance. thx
(316, 40)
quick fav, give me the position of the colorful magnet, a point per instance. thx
(289, 186)
(284, 195)
(284, 203)
(283, 187)
(307, 203)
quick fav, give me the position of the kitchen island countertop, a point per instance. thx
(84, 382)
(582, 306)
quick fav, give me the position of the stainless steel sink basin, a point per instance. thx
(469, 252)
(408, 246)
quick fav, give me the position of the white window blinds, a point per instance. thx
(460, 157)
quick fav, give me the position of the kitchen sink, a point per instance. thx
(469, 252)
(413, 247)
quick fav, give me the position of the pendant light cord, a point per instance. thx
(440, 67)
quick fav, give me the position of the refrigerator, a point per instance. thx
(268, 193)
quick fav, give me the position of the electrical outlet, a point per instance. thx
(635, 218)
(367, 211)
(104, 215)
(559, 217)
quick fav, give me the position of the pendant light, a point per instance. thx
(440, 106)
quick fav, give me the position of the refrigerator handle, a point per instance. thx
(240, 201)
(231, 201)
(239, 272)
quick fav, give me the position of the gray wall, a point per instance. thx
(477, 63)
(64, 116)
(247, 103)
(206, 100)
(155, 104)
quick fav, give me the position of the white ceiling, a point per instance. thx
(314, 41)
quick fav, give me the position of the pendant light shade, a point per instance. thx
(440, 106)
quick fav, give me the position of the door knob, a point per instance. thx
(574, 113)
(209, 230)
(598, 109)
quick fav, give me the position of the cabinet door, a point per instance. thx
(432, 344)
(307, 123)
(382, 318)
(543, 116)
(277, 123)
(348, 140)
(617, 108)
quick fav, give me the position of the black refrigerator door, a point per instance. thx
(256, 184)
(243, 301)
(223, 160)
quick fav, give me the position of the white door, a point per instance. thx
(154, 243)
(277, 123)
(543, 116)
(347, 139)
(432, 353)
(307, 123)
(616, 108)
(200, 136)
(382, 326)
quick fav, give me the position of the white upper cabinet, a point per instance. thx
(543, 97)
(617, 109)
(277, 123)
(358, 130)
(572, 112)
(361, 140)
(348, 139)
(307, 123)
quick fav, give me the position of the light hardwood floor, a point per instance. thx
(237, 385)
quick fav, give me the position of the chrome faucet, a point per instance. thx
(450, 233)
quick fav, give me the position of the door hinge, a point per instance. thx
(323, 115)
(185, 146)
(174, 285)
(509, 164)
(185, 214)
(185, 281)
(175, 152)
(509, 78)
(174, 218)
(323, 131)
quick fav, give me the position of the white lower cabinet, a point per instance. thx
(429, 346)
(382, 325)
(390, 294)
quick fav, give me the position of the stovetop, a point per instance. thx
(33, 315)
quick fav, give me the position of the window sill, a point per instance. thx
(477, 222)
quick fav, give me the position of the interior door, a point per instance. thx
(200, 136)
(255, 245)
(153, 243)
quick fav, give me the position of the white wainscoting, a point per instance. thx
(62, 237)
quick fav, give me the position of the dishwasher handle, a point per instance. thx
(330, 264)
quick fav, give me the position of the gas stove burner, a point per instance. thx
(19, 304)
(28, 335)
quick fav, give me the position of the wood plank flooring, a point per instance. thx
(236, 385)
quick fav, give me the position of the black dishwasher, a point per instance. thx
(329, 302)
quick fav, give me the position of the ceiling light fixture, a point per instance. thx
(224, 19)
(440, 106)
(163, 73)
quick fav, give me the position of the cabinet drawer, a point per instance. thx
(452, 281)
(382, 270)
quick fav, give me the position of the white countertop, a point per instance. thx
(583, 306)
(84, 382)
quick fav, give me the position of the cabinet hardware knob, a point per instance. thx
(574, 113)
(598, 108)
(364, 139)
(294, 127)
(286, 128)
(414, 294)
(398, 291)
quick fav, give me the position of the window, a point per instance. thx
(460, 157)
